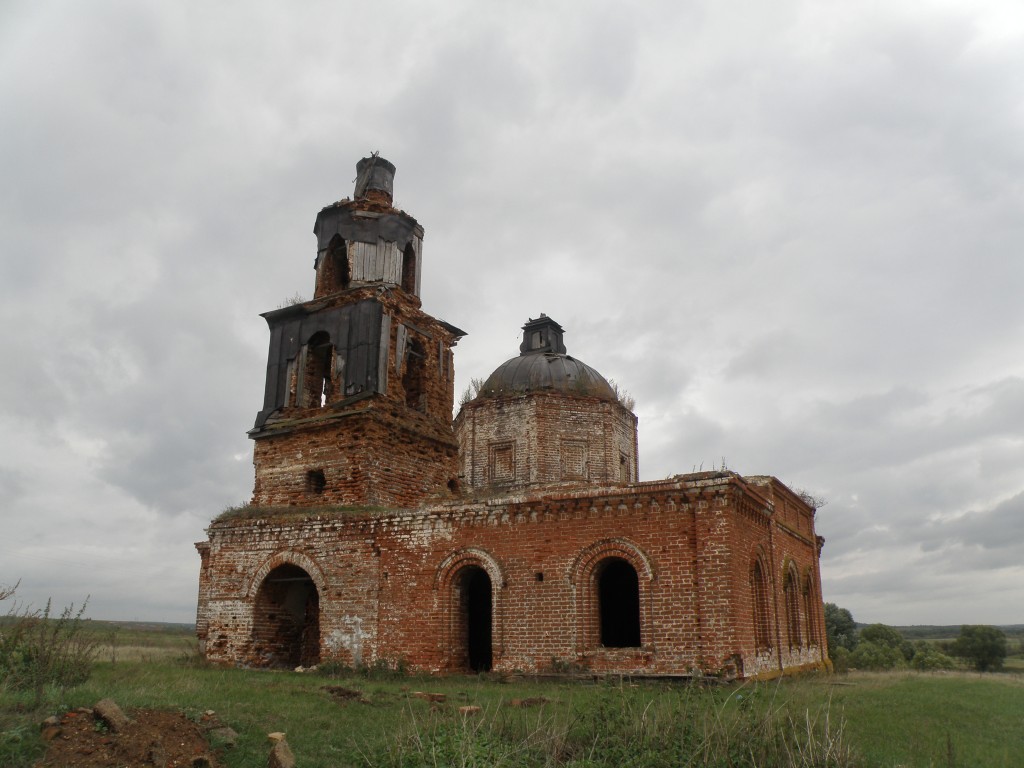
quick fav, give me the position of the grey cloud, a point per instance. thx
(790, 233)
(998, 528)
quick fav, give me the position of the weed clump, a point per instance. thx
(39, 650)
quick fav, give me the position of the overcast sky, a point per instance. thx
(792, 230)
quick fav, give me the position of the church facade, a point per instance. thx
(516, 537)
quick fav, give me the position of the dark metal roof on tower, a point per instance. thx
(543, 365)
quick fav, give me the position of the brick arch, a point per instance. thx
(286, 612)
(445, 583)
(459, 559)
(760, 580)
(287, 557)
(582, 578)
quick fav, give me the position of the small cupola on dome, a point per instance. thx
(542, 335)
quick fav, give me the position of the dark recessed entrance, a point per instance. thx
(618, 591)
(476, 611)
(286, 619)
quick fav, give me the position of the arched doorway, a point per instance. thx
(475, 622)
(286, 619)
(618, 595)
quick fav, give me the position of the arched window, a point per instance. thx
(618, 596)
(759, 594)
(409, 269)
(414, 378)
(791, 589)
(810, 610)
(317, 383)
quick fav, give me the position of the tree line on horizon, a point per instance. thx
(882, 647)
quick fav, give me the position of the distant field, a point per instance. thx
(142, 641)
(948, 631)
(1014, 664)
(862, 719)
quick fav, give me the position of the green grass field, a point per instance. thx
(861, 719)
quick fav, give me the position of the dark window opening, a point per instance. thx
(759, 590)
(414, 378)
(316, 482)
(623, 468)
(618, 590)
(409, 269)
(539, 576)
(333, 273)
(792, 599)
(476, 617)
(286, 619)
(317, 382)
(453, 485)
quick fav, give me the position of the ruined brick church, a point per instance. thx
(516, 537)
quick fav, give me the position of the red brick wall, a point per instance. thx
(387, 582)
(368, 456)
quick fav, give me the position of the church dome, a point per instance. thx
(542, 365)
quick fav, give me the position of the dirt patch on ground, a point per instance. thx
(345, 695)
(152, 738)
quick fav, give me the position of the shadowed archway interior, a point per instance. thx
(475, 622)
(618, 591)
(286, 620)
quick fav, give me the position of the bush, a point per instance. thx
(929, 658)
(875, 656)
(883, 634)
(38, 650)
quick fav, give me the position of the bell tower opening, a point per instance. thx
(317, 383)
(414, 379)
(409, 269)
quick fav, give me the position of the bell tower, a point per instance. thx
(360, 381)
